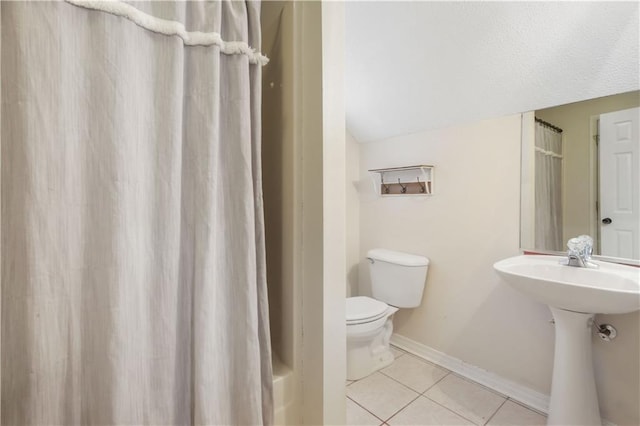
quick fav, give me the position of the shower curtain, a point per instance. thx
(133, 273)
(548, 189)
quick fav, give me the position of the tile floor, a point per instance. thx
(412, 391)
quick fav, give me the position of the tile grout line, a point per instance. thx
(399, 382)
(438, 381)
(494, 414)
(365, 409)
(469, 380)
(473, 382)
(449, 372)
(425, 361)
(436, 402)
(423, 394)
(403, 407)
(402, 352)
(449, 409)
(543, 414)
(455, 412)
(420, 394)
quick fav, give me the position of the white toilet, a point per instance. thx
(397, 281)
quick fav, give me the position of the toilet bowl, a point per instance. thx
(398, 281)
(369, 329)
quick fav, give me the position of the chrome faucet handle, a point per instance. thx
(580, 251)
(581, 245)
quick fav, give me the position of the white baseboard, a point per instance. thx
(534, 399)
(529, 397)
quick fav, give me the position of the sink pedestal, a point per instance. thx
(574, 400)
(607, 289)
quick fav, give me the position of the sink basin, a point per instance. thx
(609, 289)
(574, 296)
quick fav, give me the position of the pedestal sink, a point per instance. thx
(574, 296)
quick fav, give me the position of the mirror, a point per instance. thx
(581, 175)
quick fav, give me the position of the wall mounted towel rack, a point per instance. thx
(403, 181)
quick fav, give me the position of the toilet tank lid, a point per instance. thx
(397, 257)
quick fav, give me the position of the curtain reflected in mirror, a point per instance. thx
(548, 187)
(581, 175)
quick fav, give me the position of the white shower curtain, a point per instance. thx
(548, 189)
(133, 275)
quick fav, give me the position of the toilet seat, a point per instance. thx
(362, 309)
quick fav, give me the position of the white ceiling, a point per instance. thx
(414, 66)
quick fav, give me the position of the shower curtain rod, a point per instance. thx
(549, 125)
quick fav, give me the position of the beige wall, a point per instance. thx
(578, 183)
(471, 222)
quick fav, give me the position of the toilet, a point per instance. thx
(397, 281)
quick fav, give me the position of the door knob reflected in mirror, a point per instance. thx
(606, 220)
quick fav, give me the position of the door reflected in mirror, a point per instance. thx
(581, 175)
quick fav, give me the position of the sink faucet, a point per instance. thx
(579, 253)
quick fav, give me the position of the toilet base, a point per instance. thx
(369, 351)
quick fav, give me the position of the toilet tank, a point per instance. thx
(397, 278)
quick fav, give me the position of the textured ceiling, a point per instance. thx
(414, 66)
